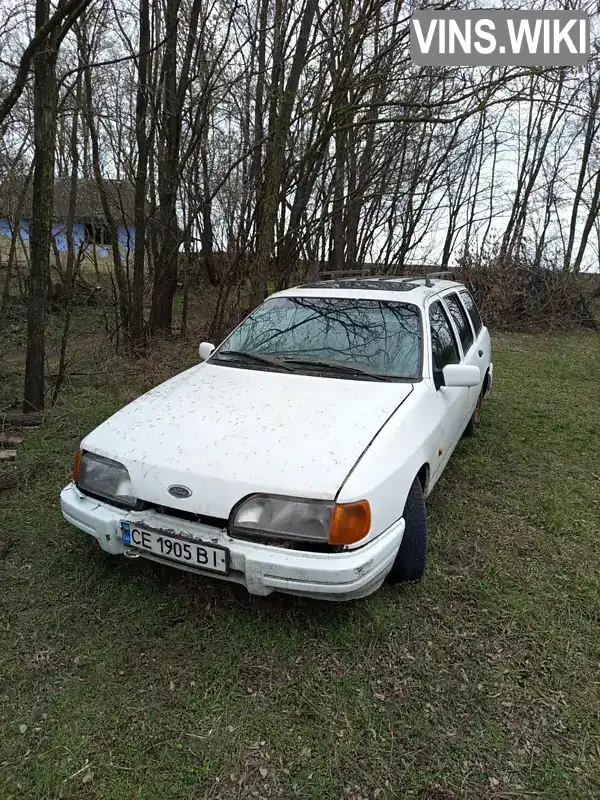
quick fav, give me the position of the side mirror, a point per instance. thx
(461, 375)
(205, 350)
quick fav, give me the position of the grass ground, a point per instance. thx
(123, 680)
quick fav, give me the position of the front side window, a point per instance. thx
(444, 347)
(460, 320)
(381, 337)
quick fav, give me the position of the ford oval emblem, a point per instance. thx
(180, 492)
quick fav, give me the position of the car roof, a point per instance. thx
(396, 288)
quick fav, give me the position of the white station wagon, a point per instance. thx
(298, 455)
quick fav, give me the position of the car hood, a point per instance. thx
(226, 432)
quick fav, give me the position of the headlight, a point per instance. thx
(307, 520)
(104, 478)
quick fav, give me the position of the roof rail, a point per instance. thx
(343, 273)
(429, 275)
(358, 274)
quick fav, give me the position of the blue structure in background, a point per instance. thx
(80, 236)
(90, 231)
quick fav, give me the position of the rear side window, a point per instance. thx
(443, 342)
(460, 320)
(471, 307)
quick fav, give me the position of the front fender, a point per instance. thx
(387, 469)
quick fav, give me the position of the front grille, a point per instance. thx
(203, 519)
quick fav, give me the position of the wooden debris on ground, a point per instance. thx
(17, 419)
(9, 438)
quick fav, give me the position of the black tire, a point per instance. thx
(473, 423)
(411, 559)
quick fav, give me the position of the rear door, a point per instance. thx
(482, 336)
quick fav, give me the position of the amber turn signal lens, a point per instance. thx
(77, 465)
(351, 522)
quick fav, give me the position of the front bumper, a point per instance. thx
(262, 569)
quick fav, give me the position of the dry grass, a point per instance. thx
(123, 680)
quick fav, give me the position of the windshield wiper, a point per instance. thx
(334, 366)
(239, 355)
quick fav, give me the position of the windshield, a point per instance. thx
(372, 335)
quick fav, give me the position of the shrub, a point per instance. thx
(520, 295)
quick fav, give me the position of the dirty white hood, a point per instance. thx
(227, 432)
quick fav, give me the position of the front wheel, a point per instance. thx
(411, 559)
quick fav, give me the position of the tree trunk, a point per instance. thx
(593, 212)
(537, 163)
(336, 248)
(590, 135)
(14, 242)
(70, 269)
(207, 226)
(137, 323)
(165, 272)
(123, 298)
(278, 132)
(257, 153)
(45, 94)
(174, 85)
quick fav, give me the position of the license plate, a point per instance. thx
(185, 551)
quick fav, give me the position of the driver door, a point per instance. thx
(452, 402)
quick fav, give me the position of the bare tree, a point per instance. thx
(50, 29)
(45, 90)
